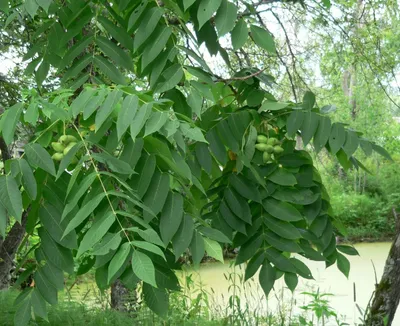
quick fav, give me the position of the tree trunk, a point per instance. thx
(8, 248)
(387, 292)
(122, 298)
(12, 241)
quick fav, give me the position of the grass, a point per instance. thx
(66, 313)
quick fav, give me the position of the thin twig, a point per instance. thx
(242, 77)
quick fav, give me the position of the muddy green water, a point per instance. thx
(216, 279)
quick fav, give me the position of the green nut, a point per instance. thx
(266, 157)
(262, 147)
(66, 139)
(58, 147)
(57, 156)
(271, 141)
(278, 150)
(262, 139)
(68, 148)
(269, 149)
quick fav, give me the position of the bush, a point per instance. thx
(365, 202)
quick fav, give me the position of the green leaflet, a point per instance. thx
(226, 17)
(32, 114)
(231, 219)
(108, 69)
(267, 277)
(96, 232)
(28, 179)
(249, 248)
(126, 114)
(351, 143)
(281, 228)
(10, 197)
(348, 250)
(145, 169)
(119, 56)
(263, 38)
(156, 299)
(244, 187)
(272, 106)
(238, 205)
(148, 247)
(337, 137)
(82, 189)
(206, 9)
(279, 260)
(213, 249)
(154, 48)
(183, 236)
(10, 122)
(108, 243)
(38, 305)
(39, 157)
(283, 177)
(136, 14)
(308, 100)
(147, 26)
(51, 220)
(23, 313)
(291, 281)
(281, 210)
(92, 105)
(116, 32)
(239, 34)
(301, 268)
(46, 289)
(214, 234)
(192, 132)
(108, 106)
(281, 243)
(156, 194)
(381, 151)
(80, 102)
(155, 122)
(169, 78)
(74, 51)
(309, 126)
(294, 122)
(115, 164)
(3, 221)
(197, 248)
(187, 4)
(151, 236)
(254, 264)
(140, 119)
(118, 260)
(83, 213)
(171, 216)
(59, 256)
(323, 133)
(296, 196)
(204, 157)
(143, 268)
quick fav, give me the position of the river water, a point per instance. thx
(214, 278)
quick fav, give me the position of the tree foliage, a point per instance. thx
(142, 152)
